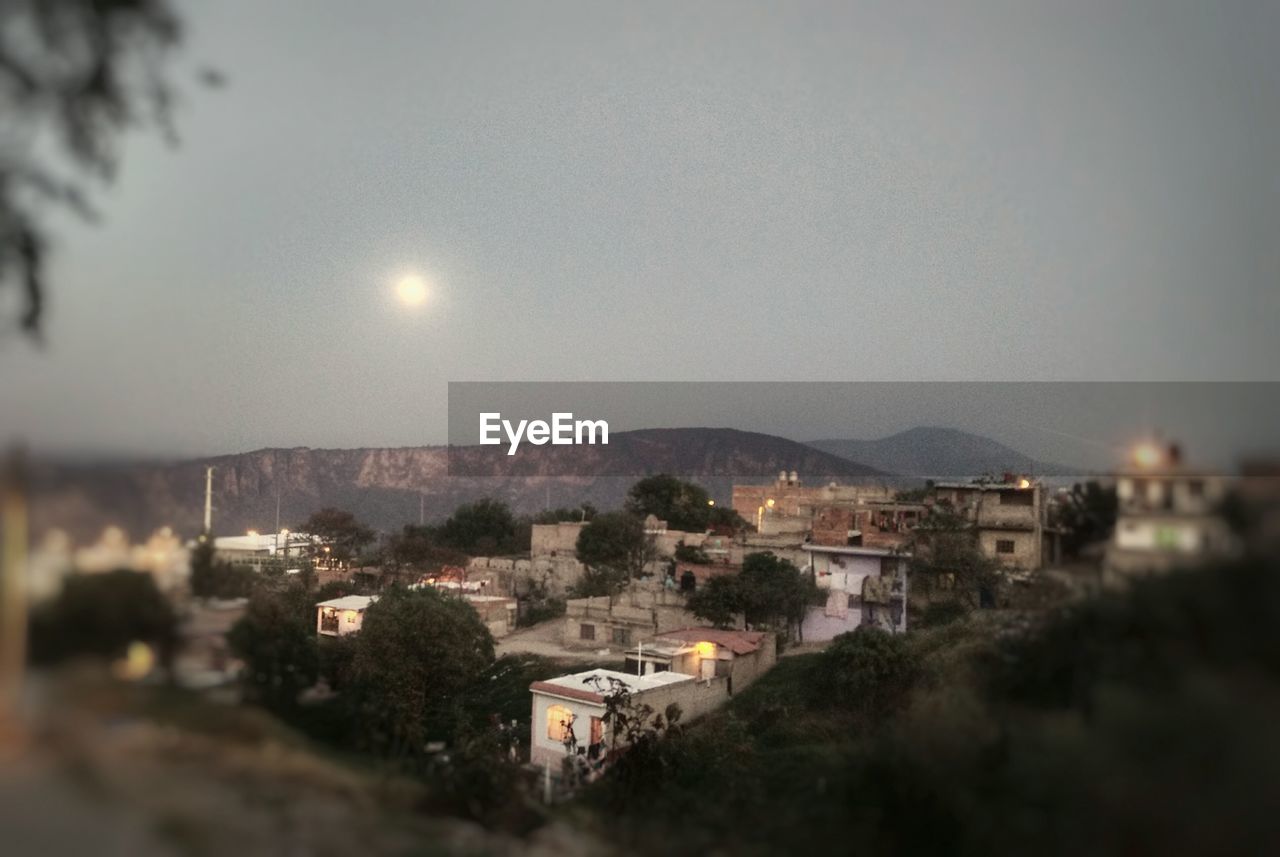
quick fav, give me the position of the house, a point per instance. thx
(1008, 519)
(498, 612)
(865, 586)
(338, 617)
(568, 711)
(642, 609)
(739, 656)
(1166, 515)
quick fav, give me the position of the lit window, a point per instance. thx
(559, 723)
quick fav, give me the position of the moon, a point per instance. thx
(412, 290)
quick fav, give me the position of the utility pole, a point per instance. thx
(208, 501)
(422, 509)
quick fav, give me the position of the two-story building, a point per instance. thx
(1167, 515)
(1008, 519)
(864, 586)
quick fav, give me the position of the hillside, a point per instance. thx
(940, 452)
(384, 486)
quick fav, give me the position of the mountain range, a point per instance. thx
(940, 452)
(390, 487)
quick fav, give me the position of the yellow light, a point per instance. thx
(711, 502)
(252, 533)
(412, 290)
(1024, 482)
(1147, 455)
(769, 502)
(706, 650)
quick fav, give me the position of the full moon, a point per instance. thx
(412, 291)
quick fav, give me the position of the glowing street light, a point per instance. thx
(1147, 455)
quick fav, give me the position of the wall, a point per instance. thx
(694, 697)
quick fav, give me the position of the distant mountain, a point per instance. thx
(945, 452)
(388, 488)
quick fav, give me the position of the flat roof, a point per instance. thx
(855, 550)
(582, 685)
(738, 642)
(349, 602)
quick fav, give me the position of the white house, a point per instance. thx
(338, 617)
(576, 704)
(865, 586)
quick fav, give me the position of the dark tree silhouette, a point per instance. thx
(77, 73)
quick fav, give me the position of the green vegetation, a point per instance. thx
(1138, 722)
(769, 593)
(614, 548)
(211, 578)
(483, 528)
(683, 505)
(342, 533)
(100, 615)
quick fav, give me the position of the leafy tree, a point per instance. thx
(947, 563)
(583, 512)
(1087, 514)
(688, 553)
(868, 671)
(77, 74)
(100, 615)
(420, 548)
(718, 601)
(683, 505)
(774, 593)
(614, 548)
(276, 639)
(482, 528)
(418, 654)
(212, 578)
(345, 536)
(724, 517)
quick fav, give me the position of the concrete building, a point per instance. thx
(864, 586)
(643, 609)
(568, 711)
(498, 612)
(739, 656)
(787, 506)
(1009, 519)
(1167, 515)
(338, 617)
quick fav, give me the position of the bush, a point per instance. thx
(99, 615)
(867, 671)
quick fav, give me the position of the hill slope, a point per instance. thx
(384, 486)
(931, 451)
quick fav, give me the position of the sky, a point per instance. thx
(855, 191)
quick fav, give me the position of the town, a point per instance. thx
(608, 629)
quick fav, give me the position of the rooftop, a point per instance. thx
(583, 685)
(738, 642)
(851, 550)
(349, 602)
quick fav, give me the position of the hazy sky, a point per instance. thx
(663, 191)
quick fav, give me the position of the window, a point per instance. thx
(559, 723)
(597, 730)
(586, 632)
(621, 636)
(1004, 545)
